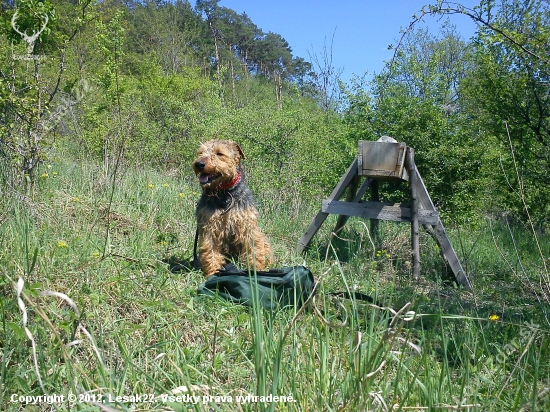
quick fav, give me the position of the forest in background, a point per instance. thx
(142, 82)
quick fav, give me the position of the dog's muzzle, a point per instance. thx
(204, 178)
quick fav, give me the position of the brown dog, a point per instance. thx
(227, 218)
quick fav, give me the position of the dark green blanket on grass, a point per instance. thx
(272, 289)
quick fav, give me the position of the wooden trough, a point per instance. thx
(383, 161)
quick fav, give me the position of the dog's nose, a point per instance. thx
(200, 165)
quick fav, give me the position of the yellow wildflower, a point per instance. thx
(62, 244)
(494, 317)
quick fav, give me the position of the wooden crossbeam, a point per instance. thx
(379, 210)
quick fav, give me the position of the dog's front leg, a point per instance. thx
(211, 258)
(255, 247)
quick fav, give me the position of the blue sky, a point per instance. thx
(362, 29)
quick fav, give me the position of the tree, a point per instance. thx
(302, 74)
(210, 9)
(273, 57)
(325, 77)
(235, 31)
(508, 93)
(246, 33)
(170, 33)
(29, 107)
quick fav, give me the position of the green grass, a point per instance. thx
(140, 330)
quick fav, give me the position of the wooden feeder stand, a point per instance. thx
(388, 162)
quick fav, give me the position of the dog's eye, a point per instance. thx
(220, 154)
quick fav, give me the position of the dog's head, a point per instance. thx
(217, 164)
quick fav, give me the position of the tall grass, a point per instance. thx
(122, 332)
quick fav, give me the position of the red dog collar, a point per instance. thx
(231, 183)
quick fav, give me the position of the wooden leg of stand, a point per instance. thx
(415, 238)
(375, 223)
(352, 191)
(338, 191)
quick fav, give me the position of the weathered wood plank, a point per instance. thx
(362, 190)
(352, 192)
(421, 191)
(451, 256)
(382, 160)
(378, 210)
(338, 191)
(344, 182)
(311, 230)
(415, 236)
(358, 195)
(375, 223)
(441, 236)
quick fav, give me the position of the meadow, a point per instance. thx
(92, 315)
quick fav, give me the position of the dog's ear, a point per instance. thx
(239, 150)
